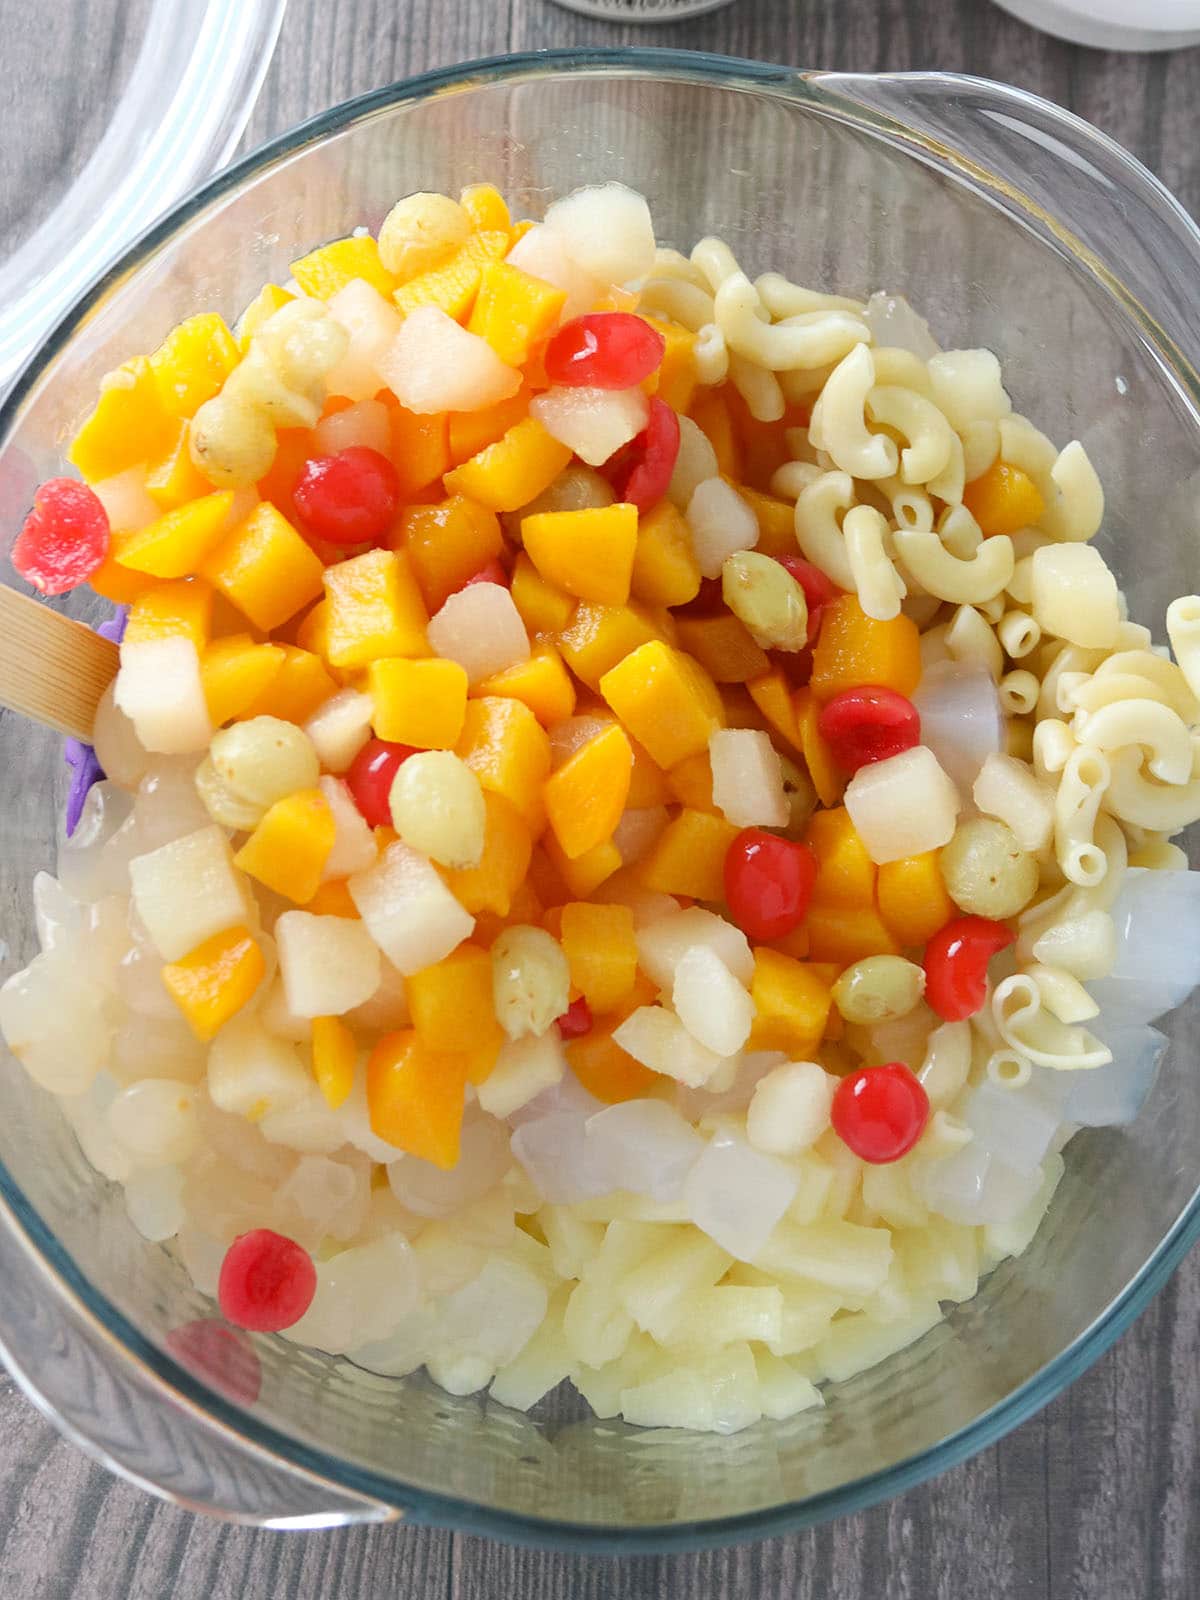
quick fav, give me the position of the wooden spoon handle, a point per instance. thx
(51, 668)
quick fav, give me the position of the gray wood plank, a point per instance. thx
(1096, 1498)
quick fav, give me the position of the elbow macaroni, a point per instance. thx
(878, 585)
(839, 420)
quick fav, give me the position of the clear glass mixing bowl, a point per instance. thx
(1012, 225)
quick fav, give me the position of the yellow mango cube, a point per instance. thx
(666, 700)
(912, 898)
(323, 272)
(375, 610)
(420, 449)
(845, 872)
(485, 206)
(853, 649)
(492, 886)
(791, 1004)
(586, 796)
(543, 608)
(647, 782)
(776, 522)
(453, 285)
(128, 424)
(507, 749)
(598, 637)
(177, 543)
(451, 1003)
(214, 981)
(415, 1097)
(689, 857)
(119, 584)
(421, 703)
(844, 934)
(1004, 499)
(180, 609)
(710, 411)
(582, 875)
(828, 778)
(513, 471)
(191, 364)
(289, 847)
(265, 568)
(174, 478)
(542, 682)
(296, 690)
(585, 553)
(664, 569)
(334, 1057)
(723, 647)
(601, 952)
(235, 672)
(447, 543)
(515, 311)
(451, 288)
(269, 299)
(690, 782)
(333, 899)
(676, 380)
(772, 695)
(470, 432)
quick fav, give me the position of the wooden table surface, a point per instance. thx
(1096, 1498)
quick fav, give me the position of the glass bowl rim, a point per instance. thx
(110, 1325)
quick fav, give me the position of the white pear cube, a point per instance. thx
(365, 426)
(354, 847)
(252, 1074)
(339, 728)
(543, 254)
(605, 228)
(372, 325)
(434, 365)
(480, 628)
(721, 524)
(408, 910)
(790, 1109)
(902, 806)
(594, 423)
(747, 779)
(524, 1068)
(158, 688)
(710, 1002)
(657, 1038)
(329, 965)
(187, 890)
(663, 943)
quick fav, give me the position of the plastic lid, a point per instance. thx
(165, 100)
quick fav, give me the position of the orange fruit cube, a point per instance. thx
(375, 610)
(585, 553)
(265, 568)
(586, 796)
(415, 1097)
(214, 981)
(689, 857)
(666, 700)
(289, 847)
(421, 702)
(854, 649)
(447, 543)
(601, 952)
(508, 751)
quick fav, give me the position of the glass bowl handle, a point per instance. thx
(182, 111)
(1082, 192)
